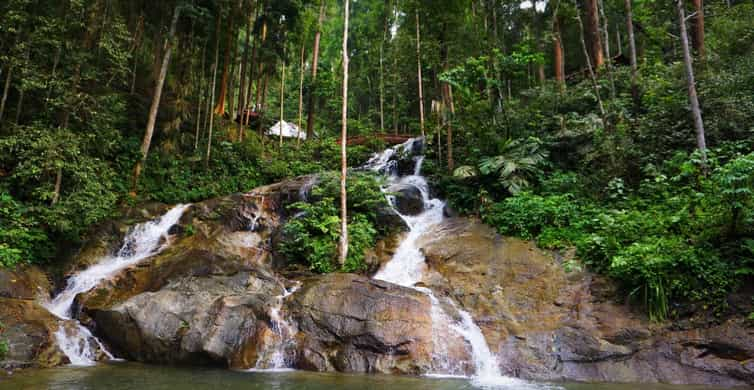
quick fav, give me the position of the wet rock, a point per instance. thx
(408, 199)
(193, 320)
(353, 324)
(548, 325)
(24, 282)
(29, 329)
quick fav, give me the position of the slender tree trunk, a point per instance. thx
(220, 107)
(58, 184)
(343, 247)
(451, 163)
(557, 52)
(242, 91)
(698, 40)
(382, 78)
(155, 101)
(282, 104)
(606, 32)
(201, 95)
(419, 74)
(315, 62)
(592, 75)
(593, 23)
(696, 112)
(212, 92)
(632, 54)
(395, 94)
(301, 93)
(6, 88)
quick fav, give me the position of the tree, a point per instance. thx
(698, 39)
(212, 90)
(343, 247)
(557, 49)
(419, 73)
(315, 61)
(632, 54)
(156, 100)
(593, 28)
(696, 112)
(220, 108)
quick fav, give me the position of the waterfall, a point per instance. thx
(407, 267)
(274, 353)
(142, 241)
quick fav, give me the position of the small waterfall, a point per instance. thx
(407, 268)
(144, 240)
(274, 354)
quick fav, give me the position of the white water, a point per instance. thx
(407, 268)
(273, 356)
(144, 240)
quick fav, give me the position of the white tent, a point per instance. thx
(289, 130)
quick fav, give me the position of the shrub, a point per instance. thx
(313, 234)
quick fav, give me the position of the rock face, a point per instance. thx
(546, 324)
(28, 330)
(220, 295)
(352, 324)
(192, 320)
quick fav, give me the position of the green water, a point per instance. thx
(131, 376)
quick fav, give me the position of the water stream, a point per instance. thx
(142, 241)
(407, 268)
(275, 351)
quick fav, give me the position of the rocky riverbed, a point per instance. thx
(220, 294)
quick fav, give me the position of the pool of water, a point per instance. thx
(132, 376)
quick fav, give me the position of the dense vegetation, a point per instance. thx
(568, 122)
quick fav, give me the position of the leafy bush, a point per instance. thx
(313, 234)
(681, 236)
(21, 238)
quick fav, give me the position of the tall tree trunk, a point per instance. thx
(606, 32)
(301, 92)
(220, 107)
(343, 247)
(156, 101)
(6, 88)
(242, 91)
(212, 92)
(632, 54)
(201, 96)
(592, 75)
(593, 26)
(696, 112)
(698, 40)
(382, 77)
(451, 163)
(315, 62)
(419, 74)
(58, 185)
(557, 51)
(282, 103)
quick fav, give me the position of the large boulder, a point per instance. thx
(408, 198)
(353, 324)
(547, 324)
(28, 330)
(192, 320)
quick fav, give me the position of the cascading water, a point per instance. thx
(144, 240)
(407, 267)
(274, 354)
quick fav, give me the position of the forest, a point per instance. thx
(621, 130)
